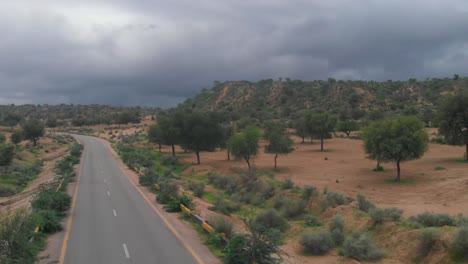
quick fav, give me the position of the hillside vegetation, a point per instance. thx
(288, 99)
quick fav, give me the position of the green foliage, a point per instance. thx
(333, 199)
(347, 126)
(16, 137)
(433, 220)
(311, 220)
(453, 119)
(197, 188)
(460, 243)
(169, 130)
(379, 215)
(221, 225)
(364, 204)
(50, 221)
(269, 219)
(223, 206)
(32, 129)
(336, 228)
(293, 208)
(320, 125)
(287, 184)
(396, 139)
(308, 192)
(360, 247)
(7, 153)
(51, 200)
(168, 189)
(244, 145)
(173, 205)
(428, 238)
(318, 243)
(2, 138)
(6, 190)
(279, 141)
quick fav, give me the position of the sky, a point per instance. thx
(157, 53)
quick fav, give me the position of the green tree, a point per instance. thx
(321, 125)
(373, 136)
(11, 119)
(32, 130)
(244, 145)
(301, 128)
(51, 122)
(453, 120)
(155, 135)
(402, 139)
(16, 137)
(200, 131)
(170, 131)
(347, 126)
(228, 131)
(7, 153)
(2, 138)
(279, 141)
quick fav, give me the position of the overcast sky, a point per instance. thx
(149, 52)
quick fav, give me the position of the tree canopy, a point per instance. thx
(279, 141)
(244, 145)
(453, 120)
(320, 125)
(400, 139)
(155, 135)
(347, 126)
(32, 130)
(169, 131)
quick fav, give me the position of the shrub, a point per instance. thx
(7, 153)
(433, 220)
(148, 179)
(197, 188)
(174, 204)
(317, 243)
(460, 242)
(361, 247)
(247, 248)
(279, 201)
(311, 220)
(223, 206)
(49, 221)
(336, 227)
(293, 208)
(51, 200)
(6, 190)
(427, 237)
(167, 191)
(269, 219)
(335, 199)
(308, 192)
(169, 160)
(287, 184)
(379, 215)
(364, 204)
(222, 225)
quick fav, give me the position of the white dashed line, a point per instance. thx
(126, 251)
(115, 212)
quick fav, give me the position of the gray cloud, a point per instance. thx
(159, 52)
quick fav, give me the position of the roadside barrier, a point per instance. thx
(198, 219)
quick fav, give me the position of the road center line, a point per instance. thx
(115, 212)
(126, 251)
(108, 193)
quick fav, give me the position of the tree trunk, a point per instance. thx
(321, 143)
(173, 150)
(303, 139)
(378, 164)
(311, 140)
(35, 141)
(248, 161)
(228, 154)
(398, 171)
(197, 152)
(276, 156)
(159, 146)
(466, 153)
(347, 133)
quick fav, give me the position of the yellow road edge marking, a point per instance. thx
(173, 230)
(63, 251)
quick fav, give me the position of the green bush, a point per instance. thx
(287, 184)
(169, 160)
(149, 178)
(173, 205)
(293, 208)
(308, 192)
(360, 247)
(311, 220)
(433, 220)
(269, 219)
(247, 248)
(333, 199)
(336, 228)
(52, 200)
(49, 221)
(364, 204)
(168, 190)
(317, 243)
(222, 225)
(223, 206)
(197, 188)
(6, 190)
(7, 153)
(460, 243)
(428, 237)
(379, 215)
(279, 201)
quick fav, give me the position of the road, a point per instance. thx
(111, 222)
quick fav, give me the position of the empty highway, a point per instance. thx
(111, 222)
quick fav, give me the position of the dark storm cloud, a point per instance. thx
(160, 52)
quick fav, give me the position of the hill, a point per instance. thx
(288, 99)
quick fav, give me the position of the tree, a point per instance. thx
(16, 137)
(7, 153)
(279, 141)
(301, 128)
(200, 131)
(155, 135)
(320, 125)
(170, 132)
(2, 138)
(401, 139)
(228, 131)
(347, 126)
(32, 130)
(373, 138)
(51, 122)
(11, 119)
(453, 120)
(244, 145)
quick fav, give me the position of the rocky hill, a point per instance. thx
(288, 99)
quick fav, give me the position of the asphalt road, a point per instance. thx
(112, 223)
